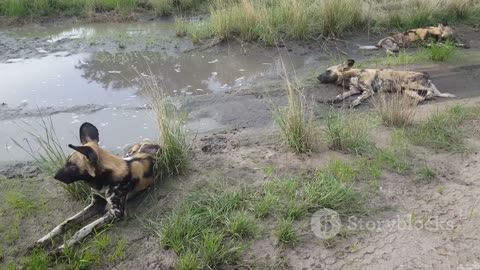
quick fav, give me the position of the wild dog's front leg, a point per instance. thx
(117, 210)
(353, 90)
(366, 94)
(96, 206)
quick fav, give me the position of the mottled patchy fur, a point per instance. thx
(413, 37)
(366, 82)
(110, 177)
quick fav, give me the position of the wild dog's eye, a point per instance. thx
(329, 71)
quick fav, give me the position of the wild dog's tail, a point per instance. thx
(437, 93)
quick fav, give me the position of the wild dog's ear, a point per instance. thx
(88, 133)
(348, 64)
(444, 22)
(86, 151)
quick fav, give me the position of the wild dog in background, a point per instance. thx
(366, 82)
(412, 38)
(110, 177)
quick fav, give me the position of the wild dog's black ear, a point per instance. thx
(88, 132)
(87, 151)
(444, 22)
(350, 62)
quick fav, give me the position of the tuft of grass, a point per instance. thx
(286, 232)
(207, 230)
(93, 253)
(241, 225)
(49, 155)
(266, 205)
(396, 110)
(338, 16)
(325, 191)
(440, 52)
(174, 157)
(348, 132)
(188, 261)
(296, 120)
(426, 174)
(342, 171)
(442, 131)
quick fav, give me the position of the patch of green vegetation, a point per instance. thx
(207, 230)
(100, 250)
(265, 205)
(349, 132)
(342, 171)
(35, 8)
(396, 110)
(296, 121)
(442, 131)
(175, 154)
(426, 174)
(440, 52)
(286, 232)
(19, 202)
(241, 225)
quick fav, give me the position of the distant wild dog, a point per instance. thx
(414, 37)
(110, 177)
(366, 82)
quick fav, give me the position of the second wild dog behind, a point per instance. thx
(367, 82)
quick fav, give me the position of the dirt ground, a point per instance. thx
(244, 142)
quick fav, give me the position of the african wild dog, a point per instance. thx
(412, 38)
(110, 177)
(366, 82)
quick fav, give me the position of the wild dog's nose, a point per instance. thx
(59, 175)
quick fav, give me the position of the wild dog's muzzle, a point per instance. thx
(67, 175)
(327, 77)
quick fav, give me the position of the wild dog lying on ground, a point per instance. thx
(412, 38)
(110, 177)
(366, 82)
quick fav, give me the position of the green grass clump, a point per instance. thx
(310, 191)
(241, 225)
(265, 205)
(342, 171)
(426, 174)
(296, 121)
(286, 232)
(442, 131)
(396, 110)
(207, 230)
(174, 157)
(45, 149)
(168, 7)
(440, 52)
(348, 132)
(325, 191)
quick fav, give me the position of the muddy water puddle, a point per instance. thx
(115, 81)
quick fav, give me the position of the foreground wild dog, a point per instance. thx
(369, 81)
(110, 177)
(411, 38)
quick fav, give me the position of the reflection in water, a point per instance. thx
(185, 74)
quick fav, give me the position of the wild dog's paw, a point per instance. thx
(355, 103)
(56, 253)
